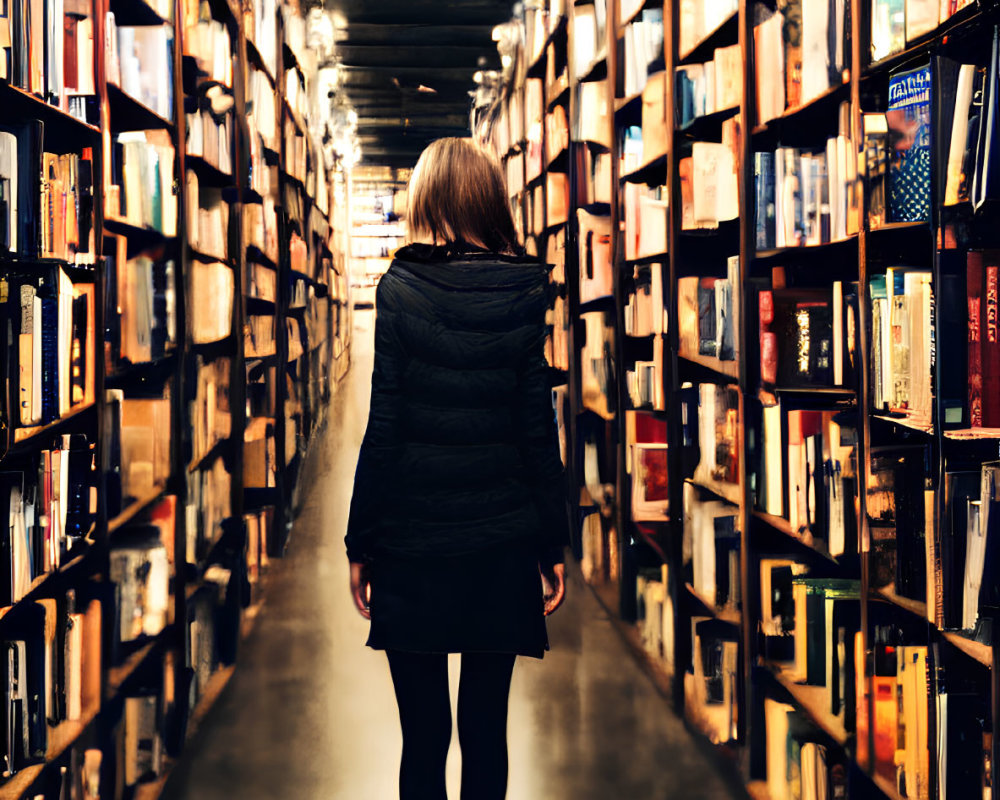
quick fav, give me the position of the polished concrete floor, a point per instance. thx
(310, 714)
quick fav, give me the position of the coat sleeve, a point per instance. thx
(539, 445)
(381, 441)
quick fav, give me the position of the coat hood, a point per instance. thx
(470, 270)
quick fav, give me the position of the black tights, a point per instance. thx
(421, 684)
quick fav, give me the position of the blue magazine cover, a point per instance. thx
(909, 122)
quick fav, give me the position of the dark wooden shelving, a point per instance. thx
(725, 34)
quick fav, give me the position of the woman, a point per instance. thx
(459, 497)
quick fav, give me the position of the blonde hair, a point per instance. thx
(457, 195)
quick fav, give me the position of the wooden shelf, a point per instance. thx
(757, 790)
(887, 787)
(723, 491)
(725, 33)
(725, 369)
(652, 173)
(650, 540)
(646, 5)
(598, 69)
(963, 18)
(730, 615)
(121, 673)
(814, 700)
(784, 254)
(129, 114)
(783, 526)
(26, 438)
(558, 91)
(915, 607)
(906, 422)
(137, 12)
(652, 258)
(17, 102)
(982, 653)
(208, 174)
(972, 434)
(701, 127)
(625, 105)
(60, 739)
(790, 115)
(133, 509)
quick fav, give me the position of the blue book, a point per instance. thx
(909, 122)
(764, 206)
(50, 363)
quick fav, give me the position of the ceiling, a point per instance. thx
(392, 48)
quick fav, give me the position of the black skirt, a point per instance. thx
(488, 601)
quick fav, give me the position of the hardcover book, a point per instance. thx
(909, 123)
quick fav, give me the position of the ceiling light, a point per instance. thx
(426, 89)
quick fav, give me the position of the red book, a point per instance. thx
(990, 335)
(974, 289)
(70, 57)
(768, 340)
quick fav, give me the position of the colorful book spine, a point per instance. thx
(974, 273)
(909, 121)
(990, 334)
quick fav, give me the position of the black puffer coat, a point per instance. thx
(461, 451)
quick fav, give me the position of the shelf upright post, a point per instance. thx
(177, 483)
(281, 303)
(864, 396)
(103, 568)
(670, 377)
(627, 609)
(238, 373)
(682, 628)
(572, 273)
(745, 181)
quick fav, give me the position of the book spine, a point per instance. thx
(768, 340)
(990, 335)
(764, 182)
(910, 166)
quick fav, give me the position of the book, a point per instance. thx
(142, 64)
(711, 696)
(712, 548)
(142, 177)
(211, 287)
(902, 307)
(140, 570)
(718, 423)
(909, 124)
(797, 330)
(596, 275)
(643, 39)
(888, 30)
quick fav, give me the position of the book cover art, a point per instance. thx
(909, 122)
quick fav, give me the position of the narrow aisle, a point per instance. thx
(309, 713)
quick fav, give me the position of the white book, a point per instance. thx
(815, 50)
(65, 340)
(921, 18)
(774, 494)
(8, 172)
(838, 333)
(959, 133)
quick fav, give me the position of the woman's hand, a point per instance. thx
(359, 588)
(554, 584)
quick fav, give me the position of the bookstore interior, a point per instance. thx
(774, 343)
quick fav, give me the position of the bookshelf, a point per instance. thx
(172, 365)
(733, 489)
